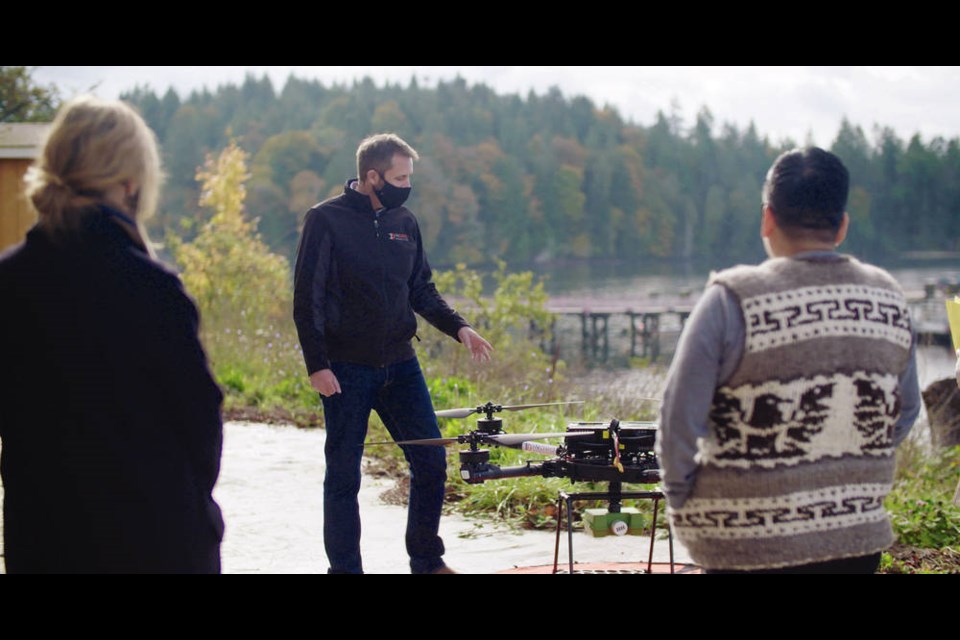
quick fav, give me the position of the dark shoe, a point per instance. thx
(443, 569)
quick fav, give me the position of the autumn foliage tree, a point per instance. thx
(23, 100)
(228, 268)
(242, 289)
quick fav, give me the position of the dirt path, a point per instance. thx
(271, 491)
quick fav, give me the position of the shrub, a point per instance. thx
(244, 294)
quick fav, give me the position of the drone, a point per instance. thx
(615, 452)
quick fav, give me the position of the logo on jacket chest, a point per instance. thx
(399, 237)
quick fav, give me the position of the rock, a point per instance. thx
(942, 399)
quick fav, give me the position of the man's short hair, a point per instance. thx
(376, 152)
(807, 190)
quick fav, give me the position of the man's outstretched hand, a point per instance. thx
(326, 384)
(479, 348)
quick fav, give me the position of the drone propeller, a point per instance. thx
(516, 439)
(492, 408)
(437, 442)
(502, 439)
(456, 413)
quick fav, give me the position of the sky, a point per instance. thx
(801, 103)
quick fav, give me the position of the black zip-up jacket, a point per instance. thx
(360, 275)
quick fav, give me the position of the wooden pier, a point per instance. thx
(601, 328)
(643, 331)
(646, 328)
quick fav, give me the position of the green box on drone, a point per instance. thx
(599, 522)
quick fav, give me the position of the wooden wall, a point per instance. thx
(16, 213)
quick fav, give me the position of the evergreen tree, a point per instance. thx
(541, 176)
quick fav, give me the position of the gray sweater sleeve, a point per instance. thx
(709, 351)
(910, 397)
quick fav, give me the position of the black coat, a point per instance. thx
(359, 278)
(109, 417)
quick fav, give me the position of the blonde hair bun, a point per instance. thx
(92, 145)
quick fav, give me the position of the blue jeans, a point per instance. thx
(398, 393)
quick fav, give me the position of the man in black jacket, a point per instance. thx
(361, 274)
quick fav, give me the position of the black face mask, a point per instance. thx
(392, 196)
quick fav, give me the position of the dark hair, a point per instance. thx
(376, 152)
(807, 189)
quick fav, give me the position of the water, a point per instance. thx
(612, 280)
(601, 285)
(604, 286)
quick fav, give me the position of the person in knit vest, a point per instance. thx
(792, 385)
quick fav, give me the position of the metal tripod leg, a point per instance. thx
(564, 497)
(561, 498)
(556, 548)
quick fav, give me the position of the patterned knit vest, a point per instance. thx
(800, 450)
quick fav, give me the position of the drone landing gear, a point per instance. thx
(615, 497)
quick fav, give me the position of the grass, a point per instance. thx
(924, 518)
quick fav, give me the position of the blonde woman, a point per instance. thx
(109, 417)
